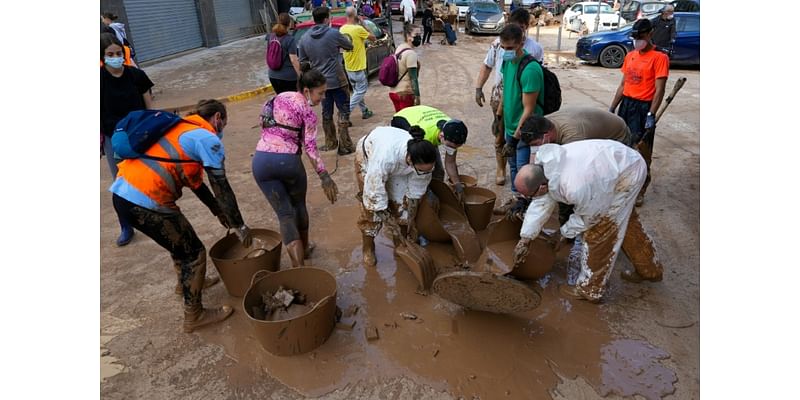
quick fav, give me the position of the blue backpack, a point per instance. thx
(139, 131)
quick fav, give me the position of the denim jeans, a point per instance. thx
(519, 159)
(360, 84)
(338, 96)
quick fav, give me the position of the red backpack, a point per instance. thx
(389, 72)
(274, 53)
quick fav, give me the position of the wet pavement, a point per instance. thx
(642, 341)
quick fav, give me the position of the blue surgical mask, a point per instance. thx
(509, 55)
(114, 62)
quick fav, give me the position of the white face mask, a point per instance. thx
(639, 44)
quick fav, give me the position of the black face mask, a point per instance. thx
(417, 41)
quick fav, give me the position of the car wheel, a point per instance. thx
(612, 56)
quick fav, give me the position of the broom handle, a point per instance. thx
(678, 85)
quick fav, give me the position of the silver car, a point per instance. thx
(485, 17)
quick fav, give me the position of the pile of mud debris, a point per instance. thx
(283, 304)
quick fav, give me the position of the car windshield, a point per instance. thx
(373, 28)
(463, 3)
(592, 9)
(486, 7)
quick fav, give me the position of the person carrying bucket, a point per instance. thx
(145, 194)
(601, 178)
(439, 130)
(393, 170)
(289, 126)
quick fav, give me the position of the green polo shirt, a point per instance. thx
(532, 80)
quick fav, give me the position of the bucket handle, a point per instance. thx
(323, 302)
(258, 275)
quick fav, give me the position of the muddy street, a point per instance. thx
(642, 341)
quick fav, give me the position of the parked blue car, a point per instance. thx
(610, 47)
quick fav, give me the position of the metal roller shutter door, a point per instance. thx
(233, 16)
(163, 27)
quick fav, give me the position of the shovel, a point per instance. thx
(678, 85)
(414, 256)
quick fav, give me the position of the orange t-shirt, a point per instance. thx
(641, 72)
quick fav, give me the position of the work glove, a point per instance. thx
(509, 150)
(650, 121)
(517, 211)
(521, 251)
(459, 189)
(329, 186)
(243, 233)
(416, 100)
(479, 98)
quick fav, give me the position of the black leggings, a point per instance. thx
(426, 36)
(280, 85)
(282, 178)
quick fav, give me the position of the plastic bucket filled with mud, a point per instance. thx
(479, 204)
(292, 311)
(236, 264)
(500, 245)
(468, 181)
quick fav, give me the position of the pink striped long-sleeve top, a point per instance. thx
(292, 109)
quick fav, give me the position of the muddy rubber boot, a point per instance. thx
(330, 135)
(196, 316)
(631, 275)
(295, 250)
(368, 248)
(500, 175)
(209, 282)
(308, 245)
(345, 144)
(575, 293)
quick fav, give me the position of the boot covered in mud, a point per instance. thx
(500, 174)
(368, 249)
(296, 253)
(195, 316)
(345, 143)
(179, 288)
(330, 135)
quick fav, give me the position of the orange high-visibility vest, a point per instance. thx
(163, 181)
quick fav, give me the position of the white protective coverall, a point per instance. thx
(384, 177)
(601, 178)
(409, 9)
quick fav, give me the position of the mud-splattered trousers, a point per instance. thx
(283, 180)
(395, 189)
(173, 232)
(604, 220)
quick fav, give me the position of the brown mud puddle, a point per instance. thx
(468, 353)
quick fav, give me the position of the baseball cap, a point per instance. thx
(641, 27)
(453, 130)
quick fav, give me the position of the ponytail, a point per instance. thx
(207, 108)
(421, 151)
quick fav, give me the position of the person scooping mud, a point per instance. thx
(393, 170)
(601, 179)
(440, 130)
(146, 190)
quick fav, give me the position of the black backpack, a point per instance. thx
(552, 89)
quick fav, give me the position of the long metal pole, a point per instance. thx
(558, 48)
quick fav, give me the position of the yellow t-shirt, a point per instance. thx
(356, 59)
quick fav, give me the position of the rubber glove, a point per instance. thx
(329, 186)
(479, 98)
(521, 251)
(243, 232)
(650, 122)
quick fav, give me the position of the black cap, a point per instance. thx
(400, 123)
(641, 27)
(454, 130)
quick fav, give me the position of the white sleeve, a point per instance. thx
(490, 56)
(536, 215)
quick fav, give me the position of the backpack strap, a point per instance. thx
(398, 63)
(527, 59)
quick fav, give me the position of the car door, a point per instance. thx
(687, 40)
(377, 50)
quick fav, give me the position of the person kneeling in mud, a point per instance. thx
(393, 170)
(289, 126)
(601, 178)
(146, 190)
(440, 130)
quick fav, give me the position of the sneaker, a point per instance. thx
(125, 237)
(366, 114)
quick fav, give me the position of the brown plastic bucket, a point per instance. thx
(479, 204)
(467, 180)
(301, 334)
(236, 264)
(502, 240)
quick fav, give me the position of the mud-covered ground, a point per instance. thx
(642, 341)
